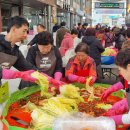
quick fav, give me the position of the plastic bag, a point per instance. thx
(4, 92)
(80, 122)
(107, 60)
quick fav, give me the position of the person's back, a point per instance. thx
(119, 39)
(95, 46)
(68, 41)
(95, 49)
(108, 37)
(55, 27)
(60, 34)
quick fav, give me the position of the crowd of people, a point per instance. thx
(77, 50)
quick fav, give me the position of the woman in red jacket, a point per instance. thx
(81, 66)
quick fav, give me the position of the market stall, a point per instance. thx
(36, 107)
(31, 109)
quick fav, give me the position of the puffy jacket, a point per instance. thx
(66, 43)
(95, 48)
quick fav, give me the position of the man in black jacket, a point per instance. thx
(40, 28)
(10, 55)
(16, 32)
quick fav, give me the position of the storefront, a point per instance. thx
(110, 14)
(35, 11)
(63, 12)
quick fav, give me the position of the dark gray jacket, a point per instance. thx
(95, 48)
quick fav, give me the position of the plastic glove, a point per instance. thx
(111, 89)
(72, 77)
(81, 80)
(118, 108)
(75, 78)
(54, 82)
(25, 75)
(58, 76)
(117, 119)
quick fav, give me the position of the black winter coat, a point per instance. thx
(21, 63)
(95, 48)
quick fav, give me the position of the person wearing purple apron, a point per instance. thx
(45, 56)
(81, 66)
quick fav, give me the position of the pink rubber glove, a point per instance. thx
(81, 79)
(56, 83)
(25, 75)
(118, 108)
(58, 76)
(117, 119)
(112, 89)
(75, 78)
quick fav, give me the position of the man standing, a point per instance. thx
(60, 34)
(40, 28)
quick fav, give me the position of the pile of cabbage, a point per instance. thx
(63, 104)
(109, 51)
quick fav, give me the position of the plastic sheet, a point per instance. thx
(81, 122)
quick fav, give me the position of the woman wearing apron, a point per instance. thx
(45, 57)
(123, 62)
(81, 66)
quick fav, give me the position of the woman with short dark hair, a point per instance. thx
(45, 56)
(81, 66)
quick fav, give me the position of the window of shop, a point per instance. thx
(33, 16)
(5, 13)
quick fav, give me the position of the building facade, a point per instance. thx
(35, 11)
(47, 12)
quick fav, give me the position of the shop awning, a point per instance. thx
(30, 3)
(49, 2)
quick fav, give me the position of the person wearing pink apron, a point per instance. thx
(81, 66)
